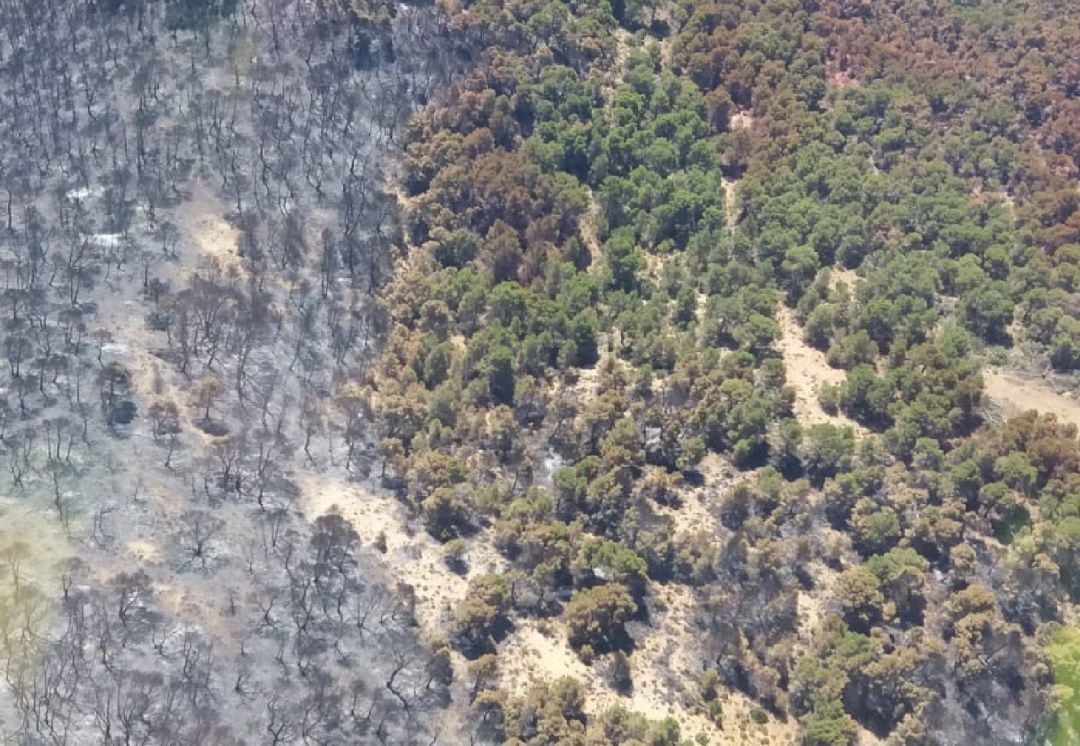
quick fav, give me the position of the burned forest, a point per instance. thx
(197, 215)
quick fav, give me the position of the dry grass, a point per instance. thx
(32, 541)
(33, 550)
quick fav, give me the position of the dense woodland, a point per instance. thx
(520, 275)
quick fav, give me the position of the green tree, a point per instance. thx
(1064, 654)
(595, 617)
(500, 375)
(476, 616)
(828, 450)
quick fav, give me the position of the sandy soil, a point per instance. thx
(413, 557)
(741, 120)
(848, 276)
(1016, 395)
(665, 669)
(807, 371)
(202, 224)
(665, 664)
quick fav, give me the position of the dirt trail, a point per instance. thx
(587, 231)
(807, 368)
(731, 202)
(204, 230)
(1016, 394)
(808, 371)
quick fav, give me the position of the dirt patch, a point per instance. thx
(847, 276)
(741, 120)
(665, 662)
(145, 552)
(414, 558)
(203, 226)
(699, 508)
(534, 652)
(1016, 394)
(808, 371)
(665, 666)
(190, 602)
(841, 78)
